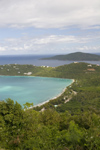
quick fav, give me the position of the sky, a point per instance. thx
(49, 26)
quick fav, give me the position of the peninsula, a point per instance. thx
(78, 56)
(69, 122)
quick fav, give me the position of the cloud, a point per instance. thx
(29, 42)
(2, 49)
(50, 44)
(56, 39)
(49, 13)
(89, 48)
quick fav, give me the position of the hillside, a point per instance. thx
(74, 124)
(72, 71)
(78, 56)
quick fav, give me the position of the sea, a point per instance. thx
(36, 60)
(36, 90)
(32, 89)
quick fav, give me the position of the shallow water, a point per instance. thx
(34, 90)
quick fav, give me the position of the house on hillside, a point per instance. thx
(29, 73)
(91, 69)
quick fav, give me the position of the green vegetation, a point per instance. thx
(70, 122)
(22, 70)
(78, 56)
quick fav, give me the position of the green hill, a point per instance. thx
(74, 124)
(78, 56)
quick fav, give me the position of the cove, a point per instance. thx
(34, 90)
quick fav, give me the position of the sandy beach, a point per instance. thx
(73, 80)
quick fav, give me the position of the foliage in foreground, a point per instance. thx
(74, 125)
(49, 130)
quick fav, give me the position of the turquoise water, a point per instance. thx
(34, 90)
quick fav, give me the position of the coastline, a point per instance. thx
(49, 98)
(38, 105)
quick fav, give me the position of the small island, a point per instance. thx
(78, 56)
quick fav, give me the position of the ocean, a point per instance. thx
(34, 90)
(35, 60)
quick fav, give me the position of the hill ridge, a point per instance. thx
(77, 56)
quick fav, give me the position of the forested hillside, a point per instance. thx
(78, 56)
(70, 122)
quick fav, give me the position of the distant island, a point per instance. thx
(78, 56)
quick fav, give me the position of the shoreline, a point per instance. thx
(55, 97)
(38, 105)
(50, 99)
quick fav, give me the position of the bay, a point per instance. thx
(36, 60)
(34, 90)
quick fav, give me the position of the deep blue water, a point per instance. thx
(35, 60)
(21, 90)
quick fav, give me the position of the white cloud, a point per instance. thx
(2, 49)
(56, 39)
(50, 44)
(49, 13)
(89, 48)
(28, 42)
